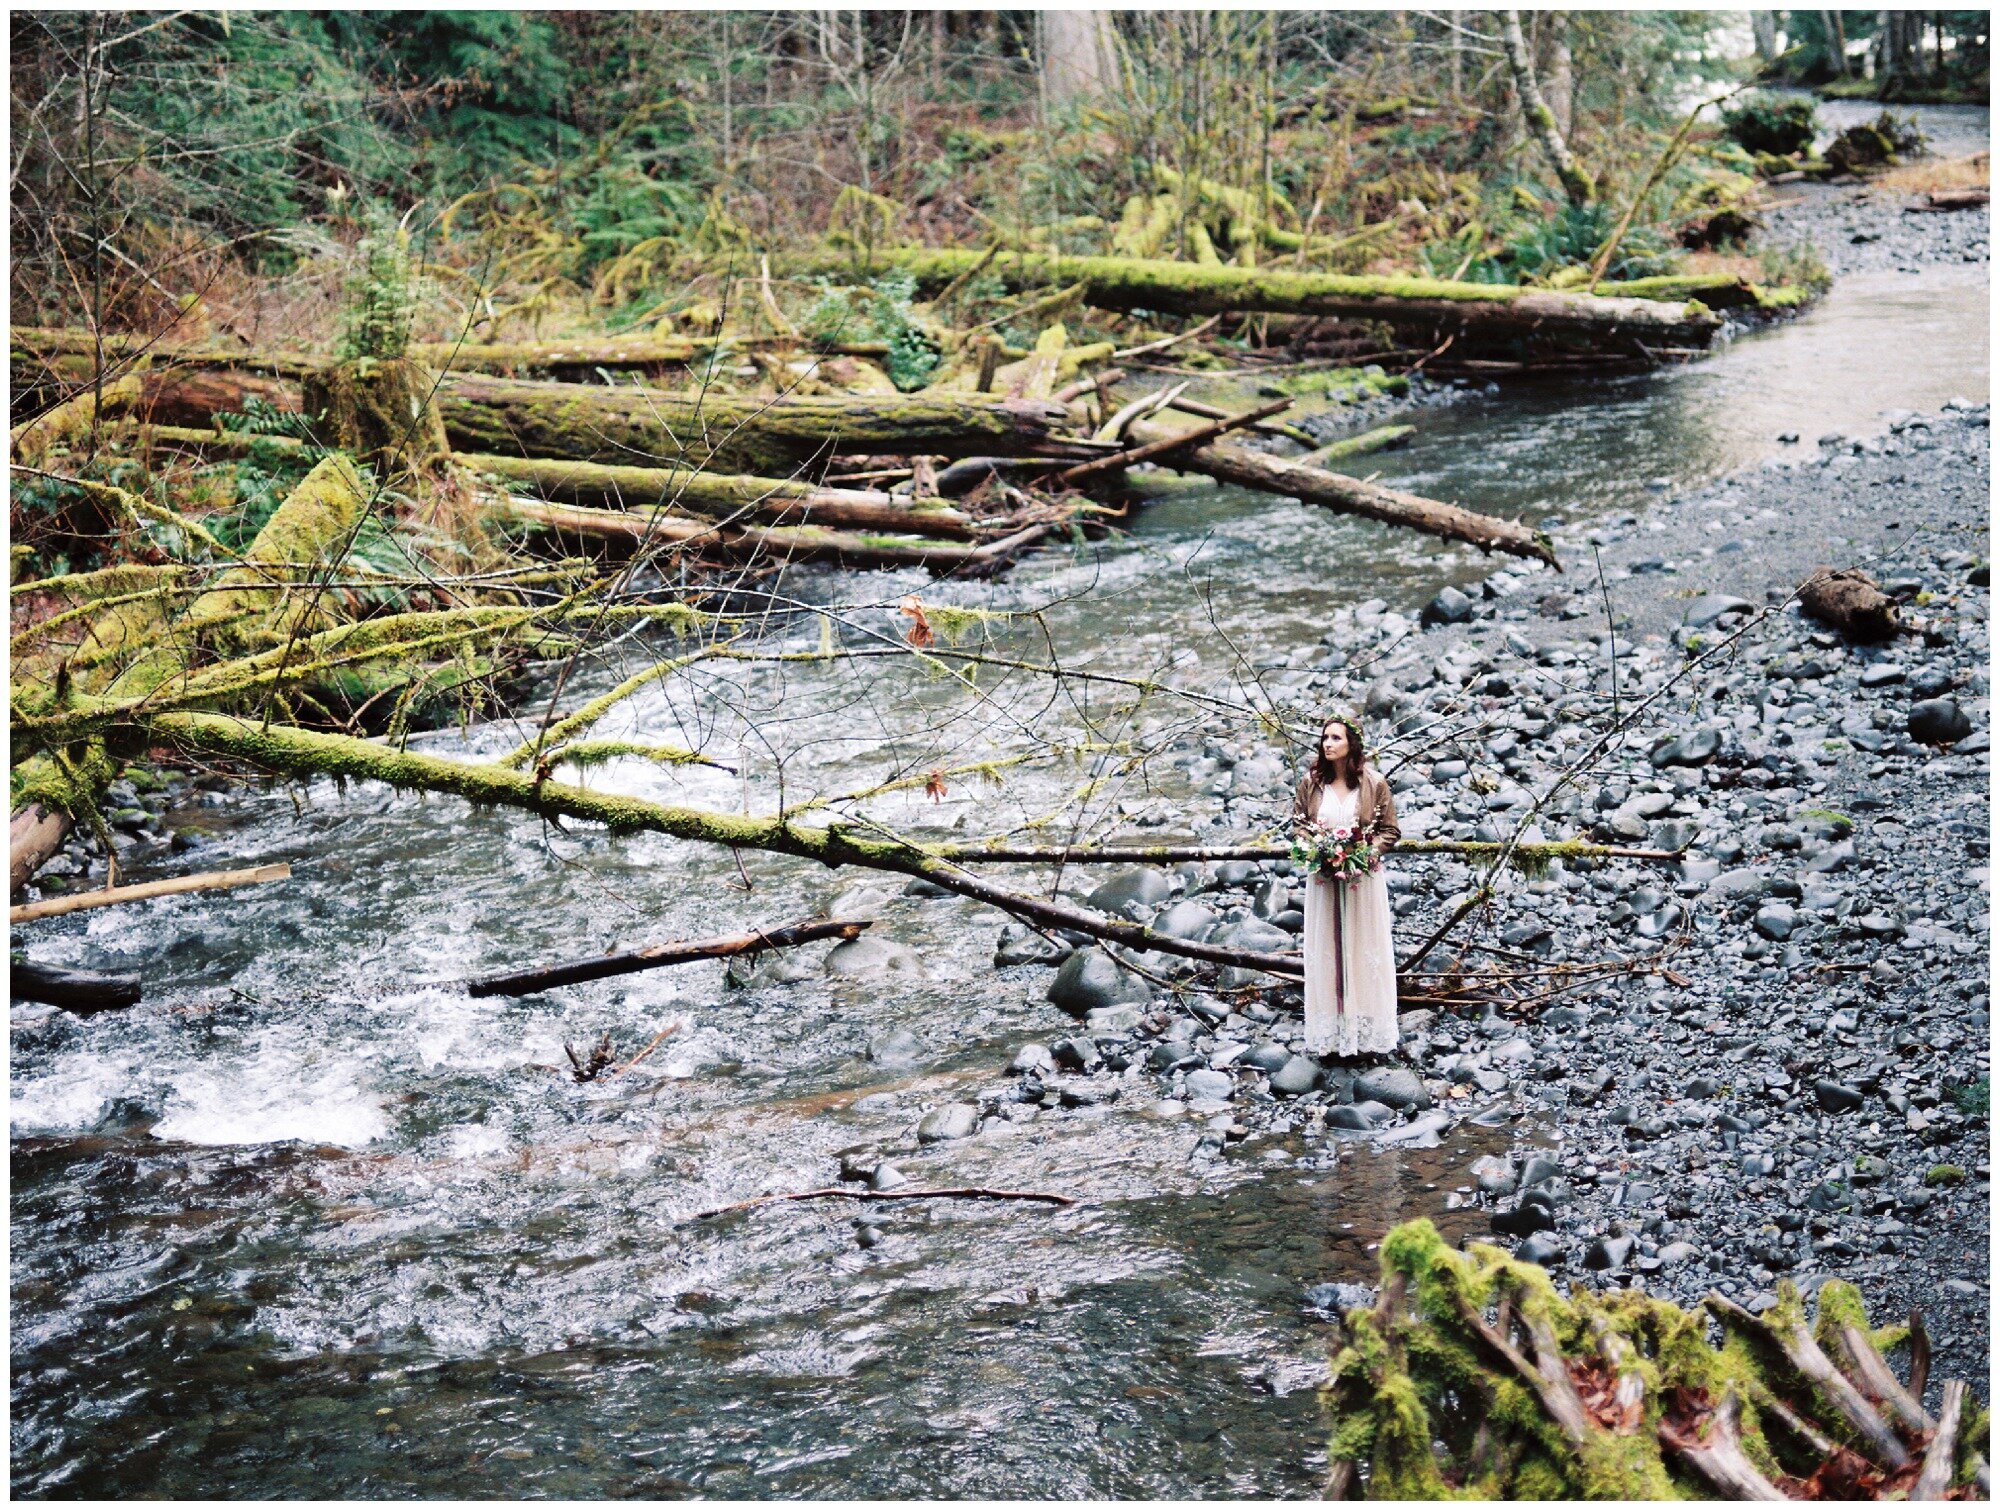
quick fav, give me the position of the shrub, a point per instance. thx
(1766, 123)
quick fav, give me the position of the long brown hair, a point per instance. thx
(1320, 771)
(1349, 767)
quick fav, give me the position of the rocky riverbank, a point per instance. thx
(1811, 1102)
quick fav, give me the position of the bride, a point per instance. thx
(1350, 963)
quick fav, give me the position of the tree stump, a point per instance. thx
(1471, 1377)
(379, 410)
(1848, 600)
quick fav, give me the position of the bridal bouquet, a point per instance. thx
(1337, 854)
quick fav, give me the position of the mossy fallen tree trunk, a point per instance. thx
(765, 500)
(629, 530)
(731, 433)
(1244, 468)
(576, 358)
(285, 751)
(1472, 1378)
(1477, 315)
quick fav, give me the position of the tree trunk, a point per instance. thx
(1540, 119)
(34, 833)
(281, 750)
(1079, 55)
(1764, 33)
(1244, 468)
(1478, 316)
(1562, 75)
(1836, 41)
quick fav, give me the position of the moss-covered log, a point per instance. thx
(1472, 1378)
(1382, 438)
(285, 751)
(766, 500)
(72, 420)
(1244, 468)
(627, 531)
(576, 358)
(315, 524)
(1478, 315)
(743, 434)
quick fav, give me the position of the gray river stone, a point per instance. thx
(870, 959)
(955, 1120)
(1136, 893)
(1295, 1077)
(1210, 1086)
(1393, 1085)
(1938, 721)
(897, 1047)
(1090, 978)
(1185, 920)
(1695, 748)
(1709, 607)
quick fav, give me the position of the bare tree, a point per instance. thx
(1540, 119)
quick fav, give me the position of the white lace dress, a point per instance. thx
(1350, 961)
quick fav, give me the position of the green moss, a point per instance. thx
(1944, 1175)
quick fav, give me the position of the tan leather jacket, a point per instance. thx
(1375, 810)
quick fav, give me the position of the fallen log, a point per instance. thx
(1244, 468)
(625, 963)
(581, 356)
(281, 750)
(111, 897)
(637, 529)
(34, 834)
(929, 1193)
(81, 992)
(1947, 200)
(1847, 599)
(1149, 450)
(1430, 308)
(729, 433)
(763, 499)
(1531, 853)
(1382, 438)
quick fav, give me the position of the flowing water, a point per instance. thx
(312, 1222)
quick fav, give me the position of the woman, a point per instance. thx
(1350, 963)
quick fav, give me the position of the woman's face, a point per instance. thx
(1333, 742)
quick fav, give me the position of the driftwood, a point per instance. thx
(111, 897)
(80, 992)
(1165, 445)
(34, 834)
(1244, 468)
(625, 963)
(1952, 199)
(1617, 1395)
(930, 1193)
(1847, 599)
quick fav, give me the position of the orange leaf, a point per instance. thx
(934, 788)
(920, 630)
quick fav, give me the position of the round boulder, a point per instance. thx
(1089, 979)
(1136, 893)
(871, 959)
(1938, 721)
